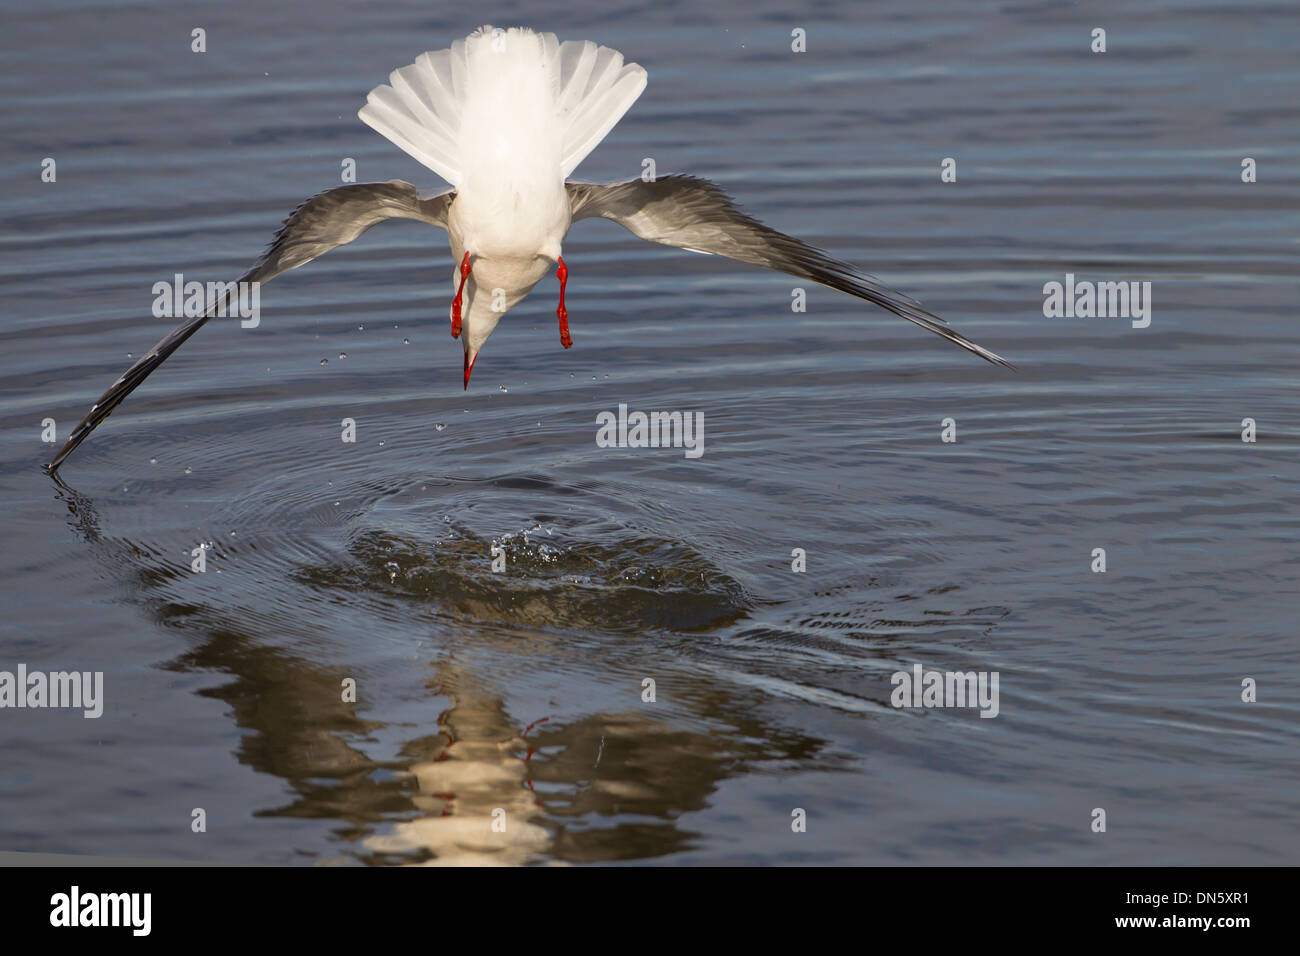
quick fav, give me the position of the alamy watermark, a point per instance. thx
(129, 910)
(1085, 299)
(74, 689)
(653, 430)
(922, 688)
(178, 298)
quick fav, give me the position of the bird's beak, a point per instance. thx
(469, 367)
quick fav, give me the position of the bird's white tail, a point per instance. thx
(501, 92)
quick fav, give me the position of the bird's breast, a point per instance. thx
(510, 277)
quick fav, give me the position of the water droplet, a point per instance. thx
(129, 355)
(345, 355)
(406, 341)
(502, 387)
(381, 443)
(440, 426)
(361, 328)
(392, 568)
(153, 461)
(187, 469)
(324, 361)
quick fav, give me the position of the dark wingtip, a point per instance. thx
(58, 480)
(69, 446)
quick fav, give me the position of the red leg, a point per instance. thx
(465, 270)
(562, 273)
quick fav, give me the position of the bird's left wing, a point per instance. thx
(324, 222)
(695, 214)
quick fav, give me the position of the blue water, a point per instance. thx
(522, 692)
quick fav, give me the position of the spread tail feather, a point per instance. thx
(504, 90)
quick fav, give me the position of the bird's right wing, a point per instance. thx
(694, 214)
(324, 222)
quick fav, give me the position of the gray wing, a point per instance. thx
(324, 222)
(694, 214)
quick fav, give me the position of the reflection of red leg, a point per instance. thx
(562, 273)
(528, 780)
(455, 304)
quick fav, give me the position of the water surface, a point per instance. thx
(523, 691)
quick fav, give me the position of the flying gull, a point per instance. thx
(505, 116)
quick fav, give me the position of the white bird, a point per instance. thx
(505, 116)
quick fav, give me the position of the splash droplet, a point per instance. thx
(440, 426)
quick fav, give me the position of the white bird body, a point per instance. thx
(514, 242)
(504, 116)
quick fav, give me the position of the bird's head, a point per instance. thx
(478, 322)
